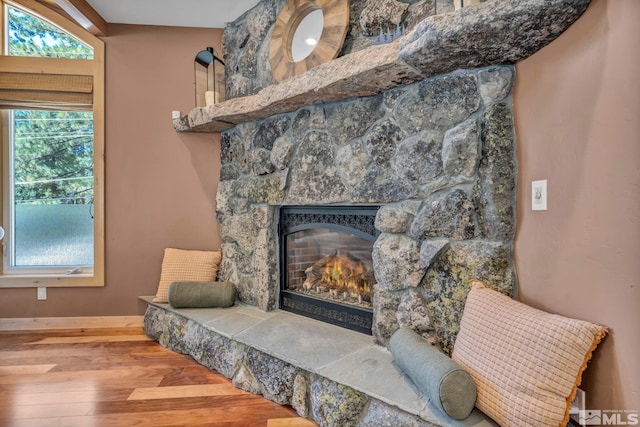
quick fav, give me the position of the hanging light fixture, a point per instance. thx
(208, 70)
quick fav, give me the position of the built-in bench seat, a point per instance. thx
(289, 358)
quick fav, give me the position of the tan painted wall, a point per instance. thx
(577, 113)
(160, 185)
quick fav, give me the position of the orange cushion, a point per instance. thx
(179, 265)
(526, 363)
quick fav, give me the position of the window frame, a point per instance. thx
(90, 67)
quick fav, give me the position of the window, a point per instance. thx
(51, 191)
(51, 99)
(31, 36)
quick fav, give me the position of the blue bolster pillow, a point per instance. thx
(441, 380)
(202, 294)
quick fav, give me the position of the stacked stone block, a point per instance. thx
(329, 403)
(438, 156)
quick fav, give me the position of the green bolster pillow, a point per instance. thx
(202, 294)
(441, 380)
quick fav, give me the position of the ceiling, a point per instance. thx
(176, 13)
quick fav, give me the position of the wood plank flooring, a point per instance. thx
(119, 377)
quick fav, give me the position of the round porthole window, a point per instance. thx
(307, 33)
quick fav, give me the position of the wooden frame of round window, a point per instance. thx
(334, 29)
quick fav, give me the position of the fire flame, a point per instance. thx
(345, 274)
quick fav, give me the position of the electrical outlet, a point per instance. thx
(175, 114)
(539, 195)
(579, 403)
(42, 294)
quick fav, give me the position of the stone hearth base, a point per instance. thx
(332, 375)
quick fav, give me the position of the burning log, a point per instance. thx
(344, 276)
(314, 274)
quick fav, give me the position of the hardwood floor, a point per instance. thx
(119, 377)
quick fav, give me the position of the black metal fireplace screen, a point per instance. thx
(326, 265)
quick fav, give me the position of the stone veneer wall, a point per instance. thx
(437, 155)
(246, 40)
(329, 403)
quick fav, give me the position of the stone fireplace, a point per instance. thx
(437, 156)
(326, 265)
(421, 129)
(423, 132)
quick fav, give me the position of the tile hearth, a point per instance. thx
(347, 358)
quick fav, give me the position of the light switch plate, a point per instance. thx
(539, 195)
(42, 293)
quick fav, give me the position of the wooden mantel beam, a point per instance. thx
(85, 15)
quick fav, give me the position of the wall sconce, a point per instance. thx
(208, 72)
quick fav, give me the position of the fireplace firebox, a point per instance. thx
(326, 263)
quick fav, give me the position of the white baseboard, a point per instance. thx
(92, 322)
